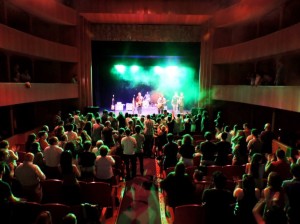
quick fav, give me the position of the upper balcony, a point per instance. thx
(279, 97)
(49, 10)
(23, 43)
(19, 93)
(280, 42)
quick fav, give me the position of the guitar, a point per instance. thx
(139, 102)
(162, 104)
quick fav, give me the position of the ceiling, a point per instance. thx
(162, 12)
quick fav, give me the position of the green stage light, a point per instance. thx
(120, 69)
(134, 68)
(158, 70)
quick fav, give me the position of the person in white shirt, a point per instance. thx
(72, 135)
(103, 166)
(52, 158)
(129, 145)
(29, 175)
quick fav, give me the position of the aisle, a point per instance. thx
(140, 202)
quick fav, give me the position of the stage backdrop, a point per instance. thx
(122, 69)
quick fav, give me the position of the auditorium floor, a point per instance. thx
(156, 203)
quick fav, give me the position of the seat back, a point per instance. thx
(191, 214)
(52, 191)
(119, 164)
(57, 211)
(200, 187)
(233, 172)
(169, 170)
(26, 212)
(212, 169)
(99, 193)
(21, 156)
(196, 160)
(190, 171)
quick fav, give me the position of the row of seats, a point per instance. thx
(232, 172)
(100, 193)
(191, 214)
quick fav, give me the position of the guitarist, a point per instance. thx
(139, 103)
(161, 102)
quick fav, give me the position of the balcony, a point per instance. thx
(50, 10)
(16, 41)
(18, 93)
(280, 42)
(279, 97)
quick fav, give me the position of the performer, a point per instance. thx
(113, 102)
(181, 102)
(139, 103)
(133, 104)
(146, 102)
(161, 102)
(174, 102)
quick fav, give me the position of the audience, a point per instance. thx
(291, 190)
(246, 197)
(217, 201)
(129, 145)
(43, 136)
(178, 186)
(94, 156)
(140, 139)
(257, 169)
(278, 164)
(52, 158)
(170, 151)
(187, 150)
(208, 150)
(69, 175)
(86, 161)
(104, 166)
(223, 149)
(29, 176)
(44, 218)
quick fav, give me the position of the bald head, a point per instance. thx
(29, 157)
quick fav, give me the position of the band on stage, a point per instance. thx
(139, 102)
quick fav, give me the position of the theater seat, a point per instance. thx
(26, 212)
(233, 172)
(189, 214)
(101, 194)
(211, 170)
(52, 191)
(58, 211)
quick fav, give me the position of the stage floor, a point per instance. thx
(146, 110)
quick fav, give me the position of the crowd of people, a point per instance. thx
(88, 147)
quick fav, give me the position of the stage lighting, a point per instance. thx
(120, 69)
(134, 68)
(158, 70)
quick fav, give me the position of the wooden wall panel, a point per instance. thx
(18, 93)
(280, 97)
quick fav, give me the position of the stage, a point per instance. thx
(145, 110)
